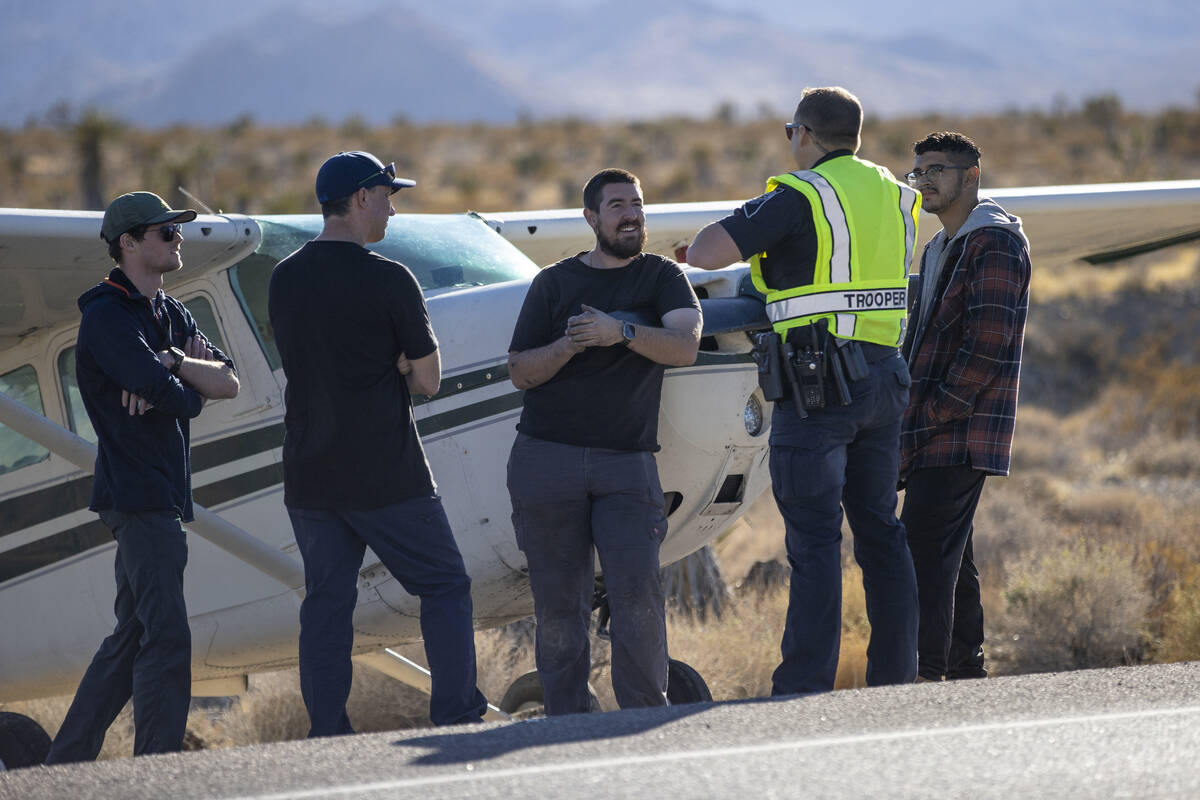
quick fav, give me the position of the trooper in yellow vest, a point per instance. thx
(830, 246)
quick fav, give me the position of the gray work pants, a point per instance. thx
(567, 500)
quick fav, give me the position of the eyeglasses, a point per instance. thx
(168, 232)
(388, 172)
(793, 127)
(931, 172)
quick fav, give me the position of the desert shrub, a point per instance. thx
(1166, 457)
(1011, 520)
(1114, 507)
(1083, 606)
(1181, 626)
(1039, 444)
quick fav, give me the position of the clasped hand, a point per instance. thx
(593, 328)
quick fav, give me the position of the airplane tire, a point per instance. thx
(23, 742)
(525, 697)
(684, 685)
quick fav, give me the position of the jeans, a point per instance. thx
(567, 500)
(939, 509)
(148, 655)
(413, 540)
(845, 457)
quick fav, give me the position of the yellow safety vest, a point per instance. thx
(866, 225)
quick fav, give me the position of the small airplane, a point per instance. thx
(244, 578)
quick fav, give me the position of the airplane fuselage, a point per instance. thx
(56, 559)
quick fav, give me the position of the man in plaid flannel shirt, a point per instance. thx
(964, 353)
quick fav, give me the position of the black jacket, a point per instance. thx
(143, 463)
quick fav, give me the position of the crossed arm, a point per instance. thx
(211, 379)
(423, 375)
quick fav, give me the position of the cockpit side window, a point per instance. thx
(16, 451)
(206, 321)
(77, 417)
(251, 281)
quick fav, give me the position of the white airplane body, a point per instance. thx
(56, 559)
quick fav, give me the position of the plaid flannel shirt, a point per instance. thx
(966, 369)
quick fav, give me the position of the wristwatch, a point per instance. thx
(627, 333)
(177, 354)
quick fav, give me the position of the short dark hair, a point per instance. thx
(138, 233)
(595, 185)
(833, 115)
(337, 207)
(965, 152)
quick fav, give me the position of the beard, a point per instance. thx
(941, 200)
(617, 248)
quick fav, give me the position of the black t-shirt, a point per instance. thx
(605, 396)
(342, 316)
(779, 223)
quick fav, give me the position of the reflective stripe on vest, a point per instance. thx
(864, 301)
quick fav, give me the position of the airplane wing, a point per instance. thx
(49, 258)
(1096, 222)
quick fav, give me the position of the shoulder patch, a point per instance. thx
(752, 207)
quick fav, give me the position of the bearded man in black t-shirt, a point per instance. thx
(355, 341)
(582, 473)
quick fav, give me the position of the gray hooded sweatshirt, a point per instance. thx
(987, 214)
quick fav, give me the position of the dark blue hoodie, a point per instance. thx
(143, 463)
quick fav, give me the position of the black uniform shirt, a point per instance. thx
(779, 223)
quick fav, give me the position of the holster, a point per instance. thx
(767, 352)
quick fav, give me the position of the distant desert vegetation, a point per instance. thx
(72, 159)
(1089, 552)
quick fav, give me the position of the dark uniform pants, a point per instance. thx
(148, 655)
(849, 458)
(567, 500)
(414, 541)
(939, 509)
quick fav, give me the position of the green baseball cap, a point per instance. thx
(139, 208)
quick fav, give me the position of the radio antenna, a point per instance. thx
(196, 200)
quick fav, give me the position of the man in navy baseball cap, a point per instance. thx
(362, 479)
(344, 174)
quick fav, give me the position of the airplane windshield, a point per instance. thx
(444, 252)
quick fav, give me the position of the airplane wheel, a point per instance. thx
(524, 697)
(684, 685)
(23, 742)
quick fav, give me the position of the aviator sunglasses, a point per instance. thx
(168, 231)
(792, 128)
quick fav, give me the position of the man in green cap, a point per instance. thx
(144, 370)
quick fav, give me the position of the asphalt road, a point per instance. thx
(1128, 732)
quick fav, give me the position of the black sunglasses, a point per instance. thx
(168, 231)
(792, 127)
(388, 172)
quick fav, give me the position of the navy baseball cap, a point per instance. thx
(344, 174)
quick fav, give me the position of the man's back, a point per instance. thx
(342, 316)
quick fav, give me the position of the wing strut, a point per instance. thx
(410, 673)
(222, 533)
